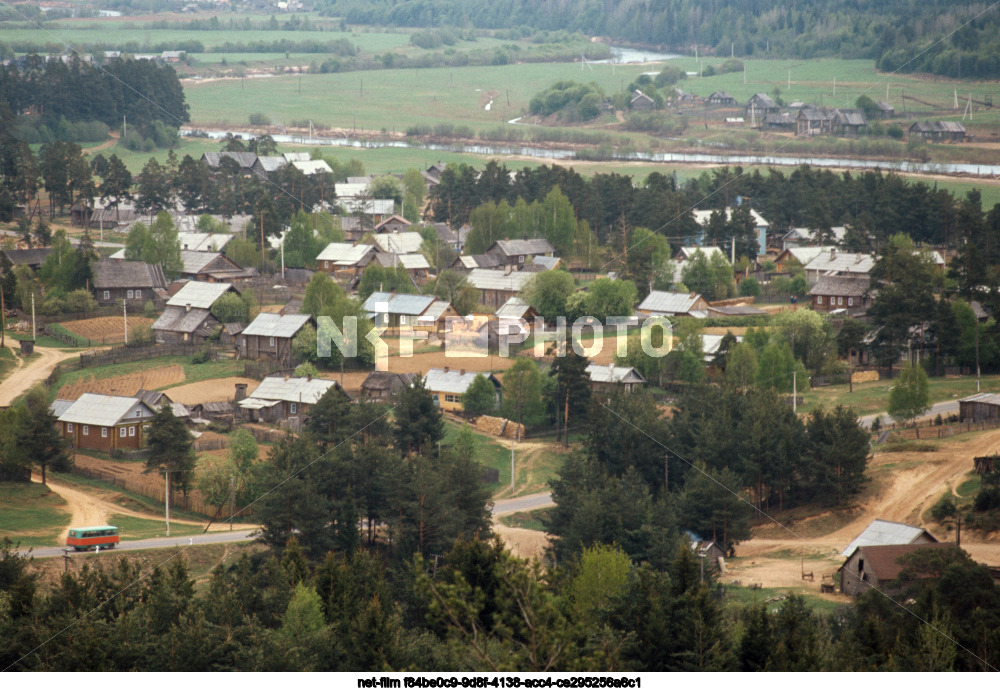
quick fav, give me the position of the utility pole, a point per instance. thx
(262, 241)
(977, 354)
(512, 468)
(3, 317)
(125, 319)
(232, 501)
(666, 473)
(794, 392)
(166, 497)
(33, 338)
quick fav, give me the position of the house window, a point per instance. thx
(138, 413)
(402, 320)
(121, 433)
(840, 300)
(270, 342)
(131, 431)
(86, 430)
(104, 432)
(294, 409)
(138, 293)
(453, 398)
(850, 302)
(131, 294)
(819, 300)
(107, 295)
(520, 259)
(69, 427)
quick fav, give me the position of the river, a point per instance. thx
(654, 157)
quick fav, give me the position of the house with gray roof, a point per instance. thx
(405, 242)
(246, 160)
(497, 286)
(348, 259)
(832, 293)
(270, 336)
(517, 253)
(882, 532)
(284, 399)
(668, 304)
(404, 310)
(187, 318)
(105, 423)
(833, 262)
(611, 379)
(385, 387)
(415, 264)
(721, 98)
(448, 387)
(758, 106)
(466, 263)
(133, 282)
(213, 267)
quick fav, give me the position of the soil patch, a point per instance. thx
(221, 389)
(524, 543)
(125, 385)
(98, 328)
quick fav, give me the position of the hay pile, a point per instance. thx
(864, 376)
(499, 427)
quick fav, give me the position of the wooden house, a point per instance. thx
(878, 566)
(938, 130)
(213, 267)
(758, 106)
(448, 387)
(721, 98)
(132, 282)
(284, 399)
(106, 423)
(814, 121)
(246, 161)
(517, 253)
(496, 286)
(385, 387)
(466, 263)
(270, 336)
(612, 379)
(392, 224)
(641, 102)
(406, 242)
(833, 262)
(396, 311)
(840, 293)
(345, 259)
(34, 258)
(187, 318)
(415, 264)
(667, 304)
(979, 408)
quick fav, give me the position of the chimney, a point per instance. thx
(462, 371)
(286, 377)
(187, 307)
(309, 377)
(281, 312)
(241, 391)
(446, 368)
(692, 295)
(833, 253)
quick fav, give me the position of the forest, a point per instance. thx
(895, 33)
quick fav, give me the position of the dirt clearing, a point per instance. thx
(98, 328)
(125, 385)
(524, 543)
(221, 389)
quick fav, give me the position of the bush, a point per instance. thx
(987, 499)
(943, 509)
(202, 356)
(306, 370)
(259, 119)
(140, 334)
(148, 309)
(80, 300)
(750, 287)
(894, 131)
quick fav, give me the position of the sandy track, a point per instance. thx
(30, 372)
(526, 543)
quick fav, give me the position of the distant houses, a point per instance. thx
(284, 399)
(667, 304)
(448, 387)
(187, 318)
(939, 130)
(496, 286)
(132, 282)
(270, 336)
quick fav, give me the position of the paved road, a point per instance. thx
(151, 543)
(942, 407)
(525, 503)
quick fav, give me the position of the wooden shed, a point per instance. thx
(979, 408)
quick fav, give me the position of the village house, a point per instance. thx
(453, 239)
(877, 566)
(345, 259)
(448, 387)
(758, 106)
(187, 318)
(415, 264)
(883, 532)
(541, 263)
(641, 102)
(721, 98)
(667, 304)
(403, 243)
(496, 286)
(833, 262)
(687, 253)
(516, 253)
(200, 242)
(611, 379)
(246, 160)
(796, 258)
(270, 336)
(106, 423)
(979, 408)
(840, 293)
(133, 282)
(107, 219)
(393, 224)
(395, 311)
(938, 130)
(466, 263)
(385, 387)
(760, 225)
(284, 399)
(312, 167)
(34, 258)
(213, 267)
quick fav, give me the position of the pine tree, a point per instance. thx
(39, 441)
(170, 449)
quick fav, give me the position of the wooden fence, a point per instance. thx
(268, 435)
(129, 354)
(928, 430)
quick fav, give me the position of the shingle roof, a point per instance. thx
(434, 311)
(113, 274)
(344, 254)
(669, 303)
(199, 294)
(194, 261)
(839, 286)
(613, 374)
(497, 280)
(272, 163)
(397, 304)
(177, 319)
(451, 382)
(882, 532)
(403, 243)
(529, 246)
(27, 257)
(280, 326)
(385, 380)
(294, 389)
(101, 409)
(486, 261)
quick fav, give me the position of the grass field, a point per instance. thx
(746, 596)
(124, 498)
(31, 514)
(7, 361)
(534, 520)
(873, 397)
(134, 529)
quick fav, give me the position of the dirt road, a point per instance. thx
(29, 372)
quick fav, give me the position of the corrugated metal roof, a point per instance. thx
(347, 191)
(194, 262)
(498, 280)
(882, 532)
(198, 294)
(344, 254)
(279, 326)
(294, 389)
(528, 246)
(257, 404)
(397, 304)
(805, 255)
(178, 319)
(451, 382)
(402, 243)
(271, 163)
(982, 398)
(669, 303)
(104, 410)
(313, 167)
(434, 311)
(514, 308)
(833, 261)
(59, 406)
(413, 261)
(613, 374)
